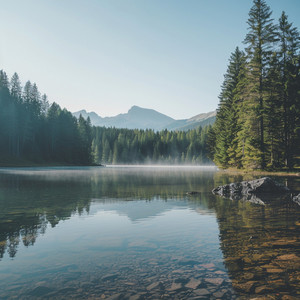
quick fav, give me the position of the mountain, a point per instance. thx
(203, 119)
(93, 116)
(144, 118)
(135, 210)
(136, 117)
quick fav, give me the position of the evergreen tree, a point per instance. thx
(15, 87)
(27, 92)
(258, 121)
(274, 116)
(226, 125)
(289, 67)
(44, 104)
(85, 137)
(260, 41)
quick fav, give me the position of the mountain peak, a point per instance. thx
(135, 107)
(145, 118)
(83, 111)
(139, 109)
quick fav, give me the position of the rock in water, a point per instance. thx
(249, 190)
(297, 199)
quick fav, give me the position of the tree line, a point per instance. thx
(258, 118)
(33, 130)
(112, 146)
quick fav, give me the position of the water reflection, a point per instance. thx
(135, 233)
(261, 243)
(31, 198)
(28, 206)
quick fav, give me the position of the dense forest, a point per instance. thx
(111, 145)
(32, 131)
(258, 118)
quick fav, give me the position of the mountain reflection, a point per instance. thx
(31, 199)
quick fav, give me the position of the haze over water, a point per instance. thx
(130, 232)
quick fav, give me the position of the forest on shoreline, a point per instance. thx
(258, 118)
(119, 146)
(34, 132)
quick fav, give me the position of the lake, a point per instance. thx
(128, 232)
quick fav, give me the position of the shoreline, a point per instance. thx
(37, 165)
(260, 172)
(230, 171)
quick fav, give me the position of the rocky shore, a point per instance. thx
(257, 191)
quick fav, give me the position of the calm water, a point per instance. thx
(133, 233)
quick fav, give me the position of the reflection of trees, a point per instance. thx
(27, 207)
(146, 184)
(29, 201)
(261, 245)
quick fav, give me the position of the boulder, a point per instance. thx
(297, 199)
(251, 191)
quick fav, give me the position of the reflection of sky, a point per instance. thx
(140, 210)
(108, 231)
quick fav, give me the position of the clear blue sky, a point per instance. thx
(106, 56)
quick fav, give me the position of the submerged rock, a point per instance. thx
(175, 286)
(155, 285)
(193, 283)
(202, 292)
(251, 191)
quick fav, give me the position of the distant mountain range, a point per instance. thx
(144, 118)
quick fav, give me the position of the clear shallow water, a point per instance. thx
(133, 233)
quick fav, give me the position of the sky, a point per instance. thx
(106, 56)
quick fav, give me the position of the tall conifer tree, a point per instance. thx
(259, 40)
(226, 126)
(289, 67)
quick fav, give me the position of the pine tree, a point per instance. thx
(85, 140)
(289, 67)
(44, 104)
(226, 125)
(15, 87)
(273, 116)
(5, 102)
(27, 92)
(259, 40)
